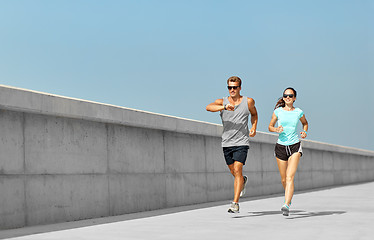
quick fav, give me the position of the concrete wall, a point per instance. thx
(66, 159)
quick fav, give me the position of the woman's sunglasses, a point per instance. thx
(288, 95)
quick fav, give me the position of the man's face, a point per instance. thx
(234, 89)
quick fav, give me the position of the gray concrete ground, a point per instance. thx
(345, 212)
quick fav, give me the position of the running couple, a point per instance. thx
(234, 111)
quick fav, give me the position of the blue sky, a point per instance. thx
(173, 57)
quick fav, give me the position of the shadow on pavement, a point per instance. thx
(262, 213)
(303, 214)
(294, 214)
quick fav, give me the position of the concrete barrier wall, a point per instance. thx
(66, 159)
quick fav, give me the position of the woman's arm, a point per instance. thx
(273, 120)
(304, 133)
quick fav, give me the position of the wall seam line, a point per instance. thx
(108, 168)
(24, 169)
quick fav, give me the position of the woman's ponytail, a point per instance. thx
(280, 103)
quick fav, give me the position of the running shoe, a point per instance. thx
(244, 184)
(234, 208)
(285, 210)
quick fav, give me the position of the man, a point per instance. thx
(234, 111)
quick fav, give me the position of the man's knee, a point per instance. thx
(237, 171)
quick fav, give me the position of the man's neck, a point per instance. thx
(236, 98)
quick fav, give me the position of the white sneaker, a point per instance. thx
(234, 208)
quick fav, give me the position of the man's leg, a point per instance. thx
(231, 167)
(236, 170)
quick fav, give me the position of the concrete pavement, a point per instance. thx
(345, 212)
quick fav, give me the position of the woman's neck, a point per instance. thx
(288, 107)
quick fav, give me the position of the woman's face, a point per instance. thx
(289, 96)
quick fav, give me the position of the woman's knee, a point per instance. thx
(283, 181)
(289, 179)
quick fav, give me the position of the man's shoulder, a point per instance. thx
(249, 99)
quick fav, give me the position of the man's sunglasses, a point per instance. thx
(288, 95)
(232, 87)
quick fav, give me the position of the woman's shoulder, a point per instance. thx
(299, 112)
(277, 110)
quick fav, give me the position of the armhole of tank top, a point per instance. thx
(226, 99)
(246, 102)
(223, 103)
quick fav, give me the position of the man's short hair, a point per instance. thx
(235, 79)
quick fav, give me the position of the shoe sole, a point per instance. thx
(285, 211)
(243, 190)
(232, 211)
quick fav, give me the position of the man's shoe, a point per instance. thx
(244, 184)
(234, 208)
(285, 210)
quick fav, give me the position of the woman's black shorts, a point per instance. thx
(284, 152)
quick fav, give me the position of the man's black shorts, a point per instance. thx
(235, 153)
(284, 152)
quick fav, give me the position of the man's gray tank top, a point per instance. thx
(235, 124)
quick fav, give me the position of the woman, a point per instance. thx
(288, 148)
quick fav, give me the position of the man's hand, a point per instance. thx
(230, 107)
(252, 132)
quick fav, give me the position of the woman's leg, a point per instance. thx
(293, 162)
(282, 166)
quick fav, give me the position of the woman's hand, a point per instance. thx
(279, 129)
(303, 134)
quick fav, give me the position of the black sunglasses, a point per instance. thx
(288, 95)
(232, 87)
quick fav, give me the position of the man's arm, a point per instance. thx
(218, 106)
(254, 116)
